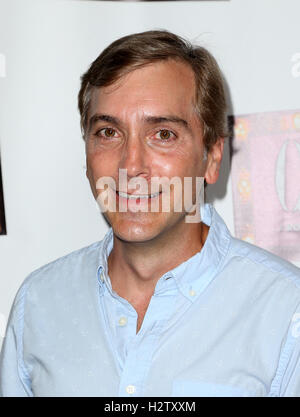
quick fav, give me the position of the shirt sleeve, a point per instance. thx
(14, 379)
(293, 387)
(291, 381)
(287, 379)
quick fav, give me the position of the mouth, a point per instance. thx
(136, 197)
(135, 202)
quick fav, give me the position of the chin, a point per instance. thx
(136, 233)
(135, 228)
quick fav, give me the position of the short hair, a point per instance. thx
(137, 50)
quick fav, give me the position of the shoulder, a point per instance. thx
(55, 285)
(64, 272)
(268, 288)
(263, 266)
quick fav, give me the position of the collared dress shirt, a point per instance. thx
(224, 323)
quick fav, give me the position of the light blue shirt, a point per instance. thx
(224, 323)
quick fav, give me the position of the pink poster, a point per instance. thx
(266, 181)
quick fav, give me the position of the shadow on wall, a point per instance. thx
(2, 212)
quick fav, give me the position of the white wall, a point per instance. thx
(47, 45)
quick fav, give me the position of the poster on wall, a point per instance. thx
(266, 181)
(2, 212)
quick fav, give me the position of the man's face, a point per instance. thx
(146, 123)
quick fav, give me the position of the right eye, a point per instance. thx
(107, 132)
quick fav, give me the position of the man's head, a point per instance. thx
(152, 104)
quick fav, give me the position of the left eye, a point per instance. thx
(164, 135)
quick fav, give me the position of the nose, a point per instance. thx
(134, 158)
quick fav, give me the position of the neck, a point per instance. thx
(135, 267)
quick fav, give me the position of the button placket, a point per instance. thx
(144, 344)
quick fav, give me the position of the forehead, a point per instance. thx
(165, 86)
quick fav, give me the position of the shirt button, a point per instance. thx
(192, 293)
(122, 321)
(130, 389)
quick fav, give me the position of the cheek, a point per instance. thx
(100, 165)
(182, 163)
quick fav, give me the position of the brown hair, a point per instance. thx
(134, 51)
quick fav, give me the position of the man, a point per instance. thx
(163, 306)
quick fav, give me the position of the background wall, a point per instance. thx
(44, 48)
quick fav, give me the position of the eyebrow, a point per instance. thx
(148, 119)
(103, 117)
(164, 119)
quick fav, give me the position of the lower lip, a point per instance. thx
(132, 203)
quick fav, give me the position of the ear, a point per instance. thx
(87, 167)
(214, 159)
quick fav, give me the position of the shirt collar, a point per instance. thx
(105, 249)
(193, 275)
